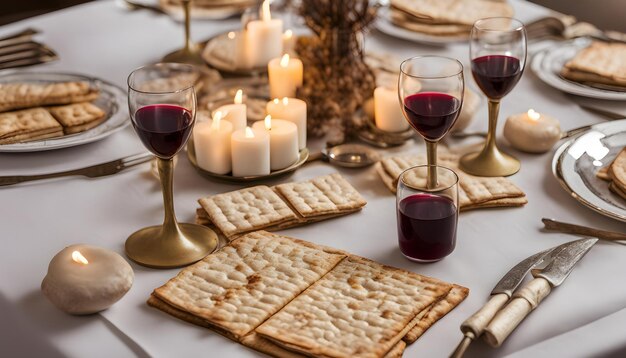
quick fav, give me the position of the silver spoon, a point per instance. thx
(347, 155)
(566, 134)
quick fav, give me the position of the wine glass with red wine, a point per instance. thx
(430, 89)
(498, 55)
(427, 217)
(162, 104)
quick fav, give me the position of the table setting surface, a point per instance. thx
(104, 40)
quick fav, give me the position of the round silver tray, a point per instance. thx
(576, 163)
(191, 154)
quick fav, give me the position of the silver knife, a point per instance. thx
(474, 326)
(528, 297)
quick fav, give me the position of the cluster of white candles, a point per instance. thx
(226, 144)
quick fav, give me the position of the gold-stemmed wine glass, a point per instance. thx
(430, 89)
(191, 52)
(498, 55)
(162, 104)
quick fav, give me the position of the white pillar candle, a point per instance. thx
(387, 112)
(292, 110)
(264, 38)
(532, 132)
(239, 46)
(285, 76)
(236, 113)
(283, 141)
(211, 140)
(250, 152)
(289, 42)
(85, 279)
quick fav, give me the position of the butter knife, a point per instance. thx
(551, 224)
(94, 171)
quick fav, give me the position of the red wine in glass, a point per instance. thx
(496, 75)
(426, 226)
(163, 128)
(432, 114)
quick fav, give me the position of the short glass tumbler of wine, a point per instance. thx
(427, 216)
(162, 105)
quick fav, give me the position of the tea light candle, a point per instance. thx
(532, 132)
(250, 152)
(85, 279)
(292, 110)
(283, 141)
(285, 76)
(235, 113)
(264, 38)
(289, 41)
(387, 112)
(239, 56)
(211, 140)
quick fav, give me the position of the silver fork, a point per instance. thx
(94, 171)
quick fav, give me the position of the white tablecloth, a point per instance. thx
(39, 219)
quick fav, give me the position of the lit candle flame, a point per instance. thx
(239, 97)
(268, 122)
(276, 100)
(249, 133)
(265, 11)
(288, 34)
(79, 258)
(285, 101)
(217, 119)
(284, 61)
(232, 35)
(533, 115)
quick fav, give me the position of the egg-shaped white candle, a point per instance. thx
(285, 76)
(264, 38)
(283, 141)
(532, 132)
(250, 152)
(85, 279)
(292, 110)
(387, 112)
(211, 141)
(236, 113)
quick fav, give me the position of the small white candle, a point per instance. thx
(236, 113)
(285, 76)
(283, 141)
(264, 38)
(387, 112)
(250, 151)
(239, 46)
(289, 41)
(292, 110)
(532, 132)
(85, 279)
(211, 141)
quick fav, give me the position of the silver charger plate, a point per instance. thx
(547, 65)
(577, 161)
(383, 24)
(112, 101)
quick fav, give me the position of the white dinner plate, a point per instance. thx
(383, 24)
(112, 101)
(577, 161)
(547, 64)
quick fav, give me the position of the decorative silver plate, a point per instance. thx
(547, 65)
(576, 163)
(112, 101)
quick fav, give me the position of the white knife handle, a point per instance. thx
(523, 302)
(479, 320)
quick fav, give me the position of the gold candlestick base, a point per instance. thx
(164, 246)
(490, 162)
(189, 55)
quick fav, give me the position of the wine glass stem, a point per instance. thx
(187, 10)
(431, 156)
(494, 109)
(166, 174)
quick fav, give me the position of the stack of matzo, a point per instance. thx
(601, 62)
(280, 207)
(24, 119)
(615, 174)
(474, 192)
(445, 18)
(291, 298)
